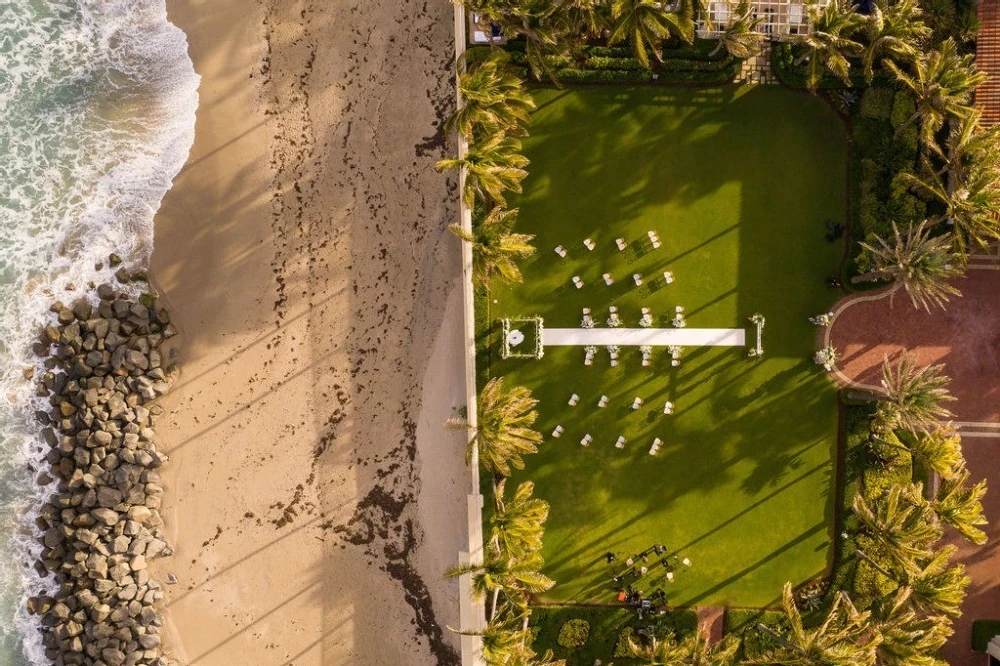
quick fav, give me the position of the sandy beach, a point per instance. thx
(313, 497)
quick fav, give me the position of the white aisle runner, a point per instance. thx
(654, 337)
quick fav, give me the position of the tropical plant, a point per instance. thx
(933, 587)
(504, 637)
(942, 81)
(544, 28)
(939, 450)
(495, 248)
(900, 526)
(517, 523)
(504, 432)
(959, 505)
(646, 23)
(913, 396)
(515, 577)
(492, 166)
(916, 261)
(739, 38)
(829, 45)
(908, 639)
(693, 650)
(843, 638)
(588, 17)
(493, 100)
(970, 201)
(895, 31)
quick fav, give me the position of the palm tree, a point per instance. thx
(495, 248)
(913, 396)
(939, 450)
(932, 587)
(916, 261)
(646, 23)
(516, 577)
(908, 639)
(504, 431)
(971, 199)
(539, 21)
(504, 638)
(694, 650)
(960, 506)
(494, 100)
(970, 146)
(895, 31)
(829, 44)
(844, 638)
(900, 526)
(517, 524)
(587, 17)
(941, 82)
(740, 39)
(492, 166)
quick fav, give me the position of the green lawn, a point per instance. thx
(738, 183)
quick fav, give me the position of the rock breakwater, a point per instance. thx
(106, 363)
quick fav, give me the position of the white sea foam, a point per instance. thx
(98, 100)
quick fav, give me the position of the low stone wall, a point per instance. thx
(101, 525)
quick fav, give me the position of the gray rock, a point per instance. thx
(106, 516)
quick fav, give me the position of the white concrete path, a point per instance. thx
(654, 337)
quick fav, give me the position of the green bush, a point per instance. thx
(571, 75)
(742, 622)
(574, 633)
(783, 56)
(903, 207)
(877, 103)
(622, 644)
(680, 623)
(701, 49)
(696, 65)
(600, 62)
(609, 51)
(903, 108)
(872, 137)
(982, 632)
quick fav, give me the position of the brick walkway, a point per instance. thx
(711, 620)
(988, 60)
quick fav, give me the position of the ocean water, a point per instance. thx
(97, 103)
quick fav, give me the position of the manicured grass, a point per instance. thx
(738, 183)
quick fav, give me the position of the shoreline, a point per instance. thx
(304, 255)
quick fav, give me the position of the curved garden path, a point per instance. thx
(966, 339)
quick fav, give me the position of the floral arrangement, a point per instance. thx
(537, 323)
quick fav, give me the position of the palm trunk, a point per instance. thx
(718, 47)
(875, 565)
(779, 638)
(493, 604)
(909, 120)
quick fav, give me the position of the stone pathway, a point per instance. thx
(712, 621)
(757, 69)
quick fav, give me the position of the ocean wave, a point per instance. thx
(98, 99)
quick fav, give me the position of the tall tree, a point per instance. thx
(939, 450)
(895, 31)
(505, 638)
(941, 82)
(517, 524)
(693, 650)
(740, 37)
(900, 525)
(914, 396)
(590, 18)
(504, 432)
(843, 638)
(646, 23)
(540, 22)
(515, 577)
(960, 505)
(931, 585)
(493, 165)
(916, 261)
(495, 246)
(971, 200)
(494, 100)
(908, 639)
(830, 43)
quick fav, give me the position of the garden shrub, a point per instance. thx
(742, 622)
(571, 75)
(903, 108)
(701, 49)
(869, 584)
(574, 633)
(600, 62)
(903, 207)
(695, 65)
(982, 632)
(609, 51)
(873, 137)
(621, 645)
(877, 103)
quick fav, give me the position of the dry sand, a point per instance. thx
(313, 497)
